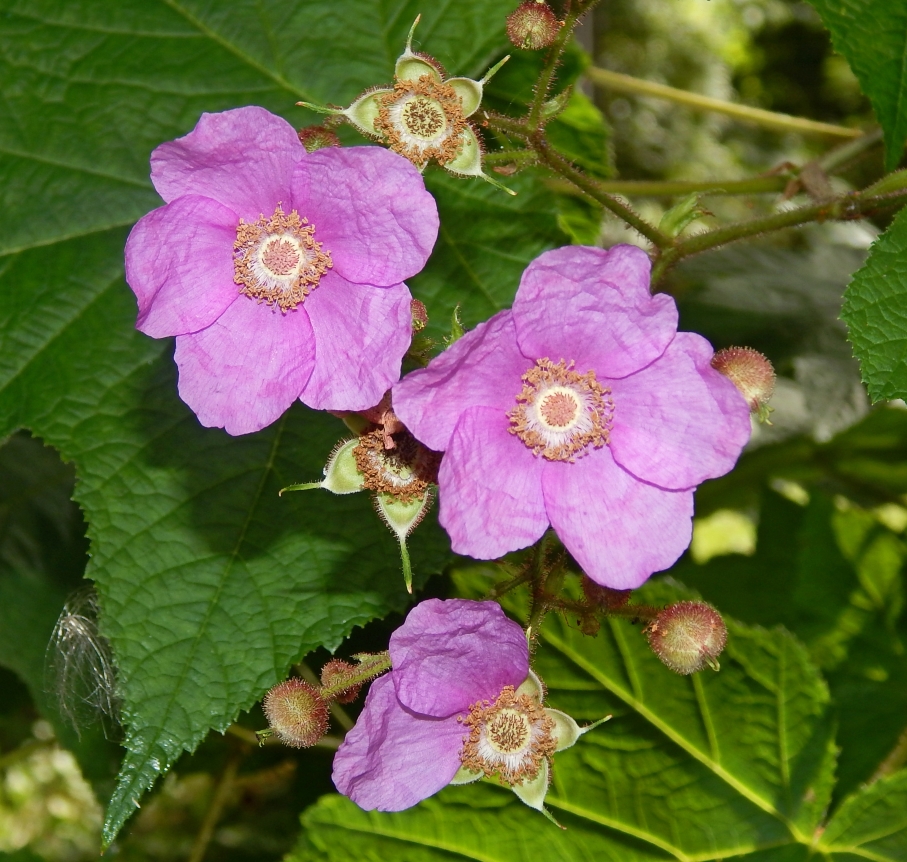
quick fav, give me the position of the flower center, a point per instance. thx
(422, 120)
(560, 413)
(423, 117)
(277, 260)
(509, 738)
(404, 472)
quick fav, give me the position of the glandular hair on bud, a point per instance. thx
(419, 314)
(333, 675)
(317, 138)
(749, 371)
(532, 25)
(296, 712)
(687, 636)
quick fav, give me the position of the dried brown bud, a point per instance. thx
(532, 25)
(333, 675)
(297, 713)
(750, 372)
(318, 138)
(687, 636)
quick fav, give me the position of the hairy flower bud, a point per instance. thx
(333, 675)
(419, 314)
(532, 25)
(317, 138)
(297, 713)
(687, 636)
(751, 373)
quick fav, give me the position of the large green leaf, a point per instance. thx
(875, 309)
(211, 585)
(872, 36)
(735, 764)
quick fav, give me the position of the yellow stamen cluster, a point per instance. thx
(510, 738)
(277, 260)
(560, 413)
(421, 120)
(404, 472)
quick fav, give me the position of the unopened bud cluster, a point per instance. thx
(298, 712)
(687, 636)
(532, 25)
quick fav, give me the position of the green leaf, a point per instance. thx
(708, 767)
(487, 239)
(211, 585)
(871, 824)
(872, 36)
(875, 309)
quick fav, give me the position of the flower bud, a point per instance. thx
(532, 25)
(317, 138)
(419, 314)
(751, 373)
(687, 636)
(297, 713)
(333, 675)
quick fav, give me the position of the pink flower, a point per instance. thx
(459, 703)
(280, 272)
(582, 408)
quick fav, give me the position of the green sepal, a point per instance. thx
(409, 66)
(341, 475)
(401, 519)
(682, 214)
(533, 792)
(364, 111)
(465, 776)
(470, 93)
(457, 330)
(566, 731)
(532, 686)
(468, 161)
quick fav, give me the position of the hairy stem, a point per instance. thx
(768, 119)
(552, 61)
(676, 188)
(850, 206)
(592, 188)
(340, 715)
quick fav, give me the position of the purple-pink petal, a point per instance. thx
(490, 484)
(179, 264)
(451, 654)
(481, 369)
(247, 368)
(619, 530)
(370, 208)
(394, 758)
(361, 334)
(678, 422)
(242, 158)
(593, 306)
